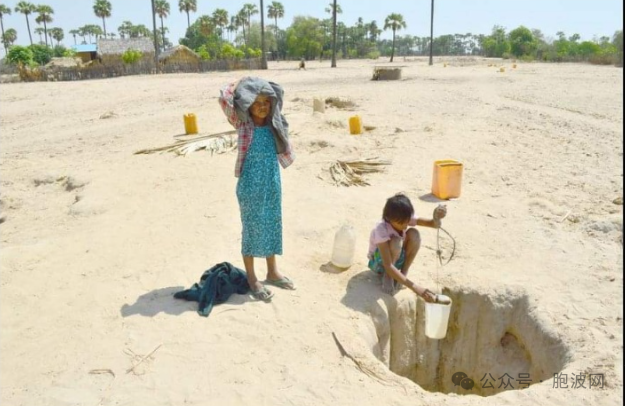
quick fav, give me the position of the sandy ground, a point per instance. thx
(95, 239)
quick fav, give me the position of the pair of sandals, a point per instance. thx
(265, 294)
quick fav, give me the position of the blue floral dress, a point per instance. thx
(259, 192)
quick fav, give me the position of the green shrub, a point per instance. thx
(230, 52)
(41, 53)
(203, 53)
(69, 53)
(507, 55)
(373, 55)
(19, 54)
(131, 56)
(59, 51)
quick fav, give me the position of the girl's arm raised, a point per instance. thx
(226, 101)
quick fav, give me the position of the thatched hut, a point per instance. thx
(110, 51)
(179, 55)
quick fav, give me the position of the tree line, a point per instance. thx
(221, 35)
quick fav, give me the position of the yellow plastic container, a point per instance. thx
(190, 124)
(355, 125)
(447, 179)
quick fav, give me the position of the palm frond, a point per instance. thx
(349, 173)
(215, 143)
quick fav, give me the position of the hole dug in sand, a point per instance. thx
(495, 341)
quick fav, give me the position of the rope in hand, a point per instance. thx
(439, 252)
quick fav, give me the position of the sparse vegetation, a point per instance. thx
(131, 56)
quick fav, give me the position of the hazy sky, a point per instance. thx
(586, 17)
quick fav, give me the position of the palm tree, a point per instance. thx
(220, 19)
(39, 31)
(395, 22)
(249, 9)
(125, 29)
(26, 8)
(241, 19)
(9, 37)
(232, 27)
(102, 9)
(334, 6)
(73, 33)
(334, 9)
(4, 10)
(374, 31)
(161, 8)
(206, 25)
(57, 34)
(263, 57)
(275, 10)
(431, 32)
(186, 6)
(45, 16)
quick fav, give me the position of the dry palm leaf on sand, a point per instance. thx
(349, 173)
(219, 143)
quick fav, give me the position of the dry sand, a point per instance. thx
(95, 240)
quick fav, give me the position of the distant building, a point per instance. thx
(86, 52)
(110, 51)
(180, 57)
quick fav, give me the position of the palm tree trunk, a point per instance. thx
(333, 63)
(45, 31)
(393, 47)
(104, 26)
(276, 19)
(188, 20)
(163, 32)
(4, 41)
(263, 58)
(74, 39)
(28, 26)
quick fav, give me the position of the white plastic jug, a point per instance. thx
(344, 246)
(437, 318)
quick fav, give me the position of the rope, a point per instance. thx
(440, 263)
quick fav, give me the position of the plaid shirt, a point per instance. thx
(245, 130)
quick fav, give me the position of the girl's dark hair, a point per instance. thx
(398, 208)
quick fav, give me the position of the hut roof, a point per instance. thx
(85, 48)
(173, 50)
(119, 46)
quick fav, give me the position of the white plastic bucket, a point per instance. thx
(437, 318)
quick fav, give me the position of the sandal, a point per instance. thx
(283, 283)
(263, 294)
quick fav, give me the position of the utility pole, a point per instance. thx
(334, 36)
(263, 58)
(155, 36)
(431, 32)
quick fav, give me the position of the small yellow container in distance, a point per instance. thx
(447, 179)
(355, 125)
(190, 124)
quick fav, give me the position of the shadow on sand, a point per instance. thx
(429, 197)
(156, 301)
(363, 291)
(162, 300)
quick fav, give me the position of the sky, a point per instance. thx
(588, 18)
